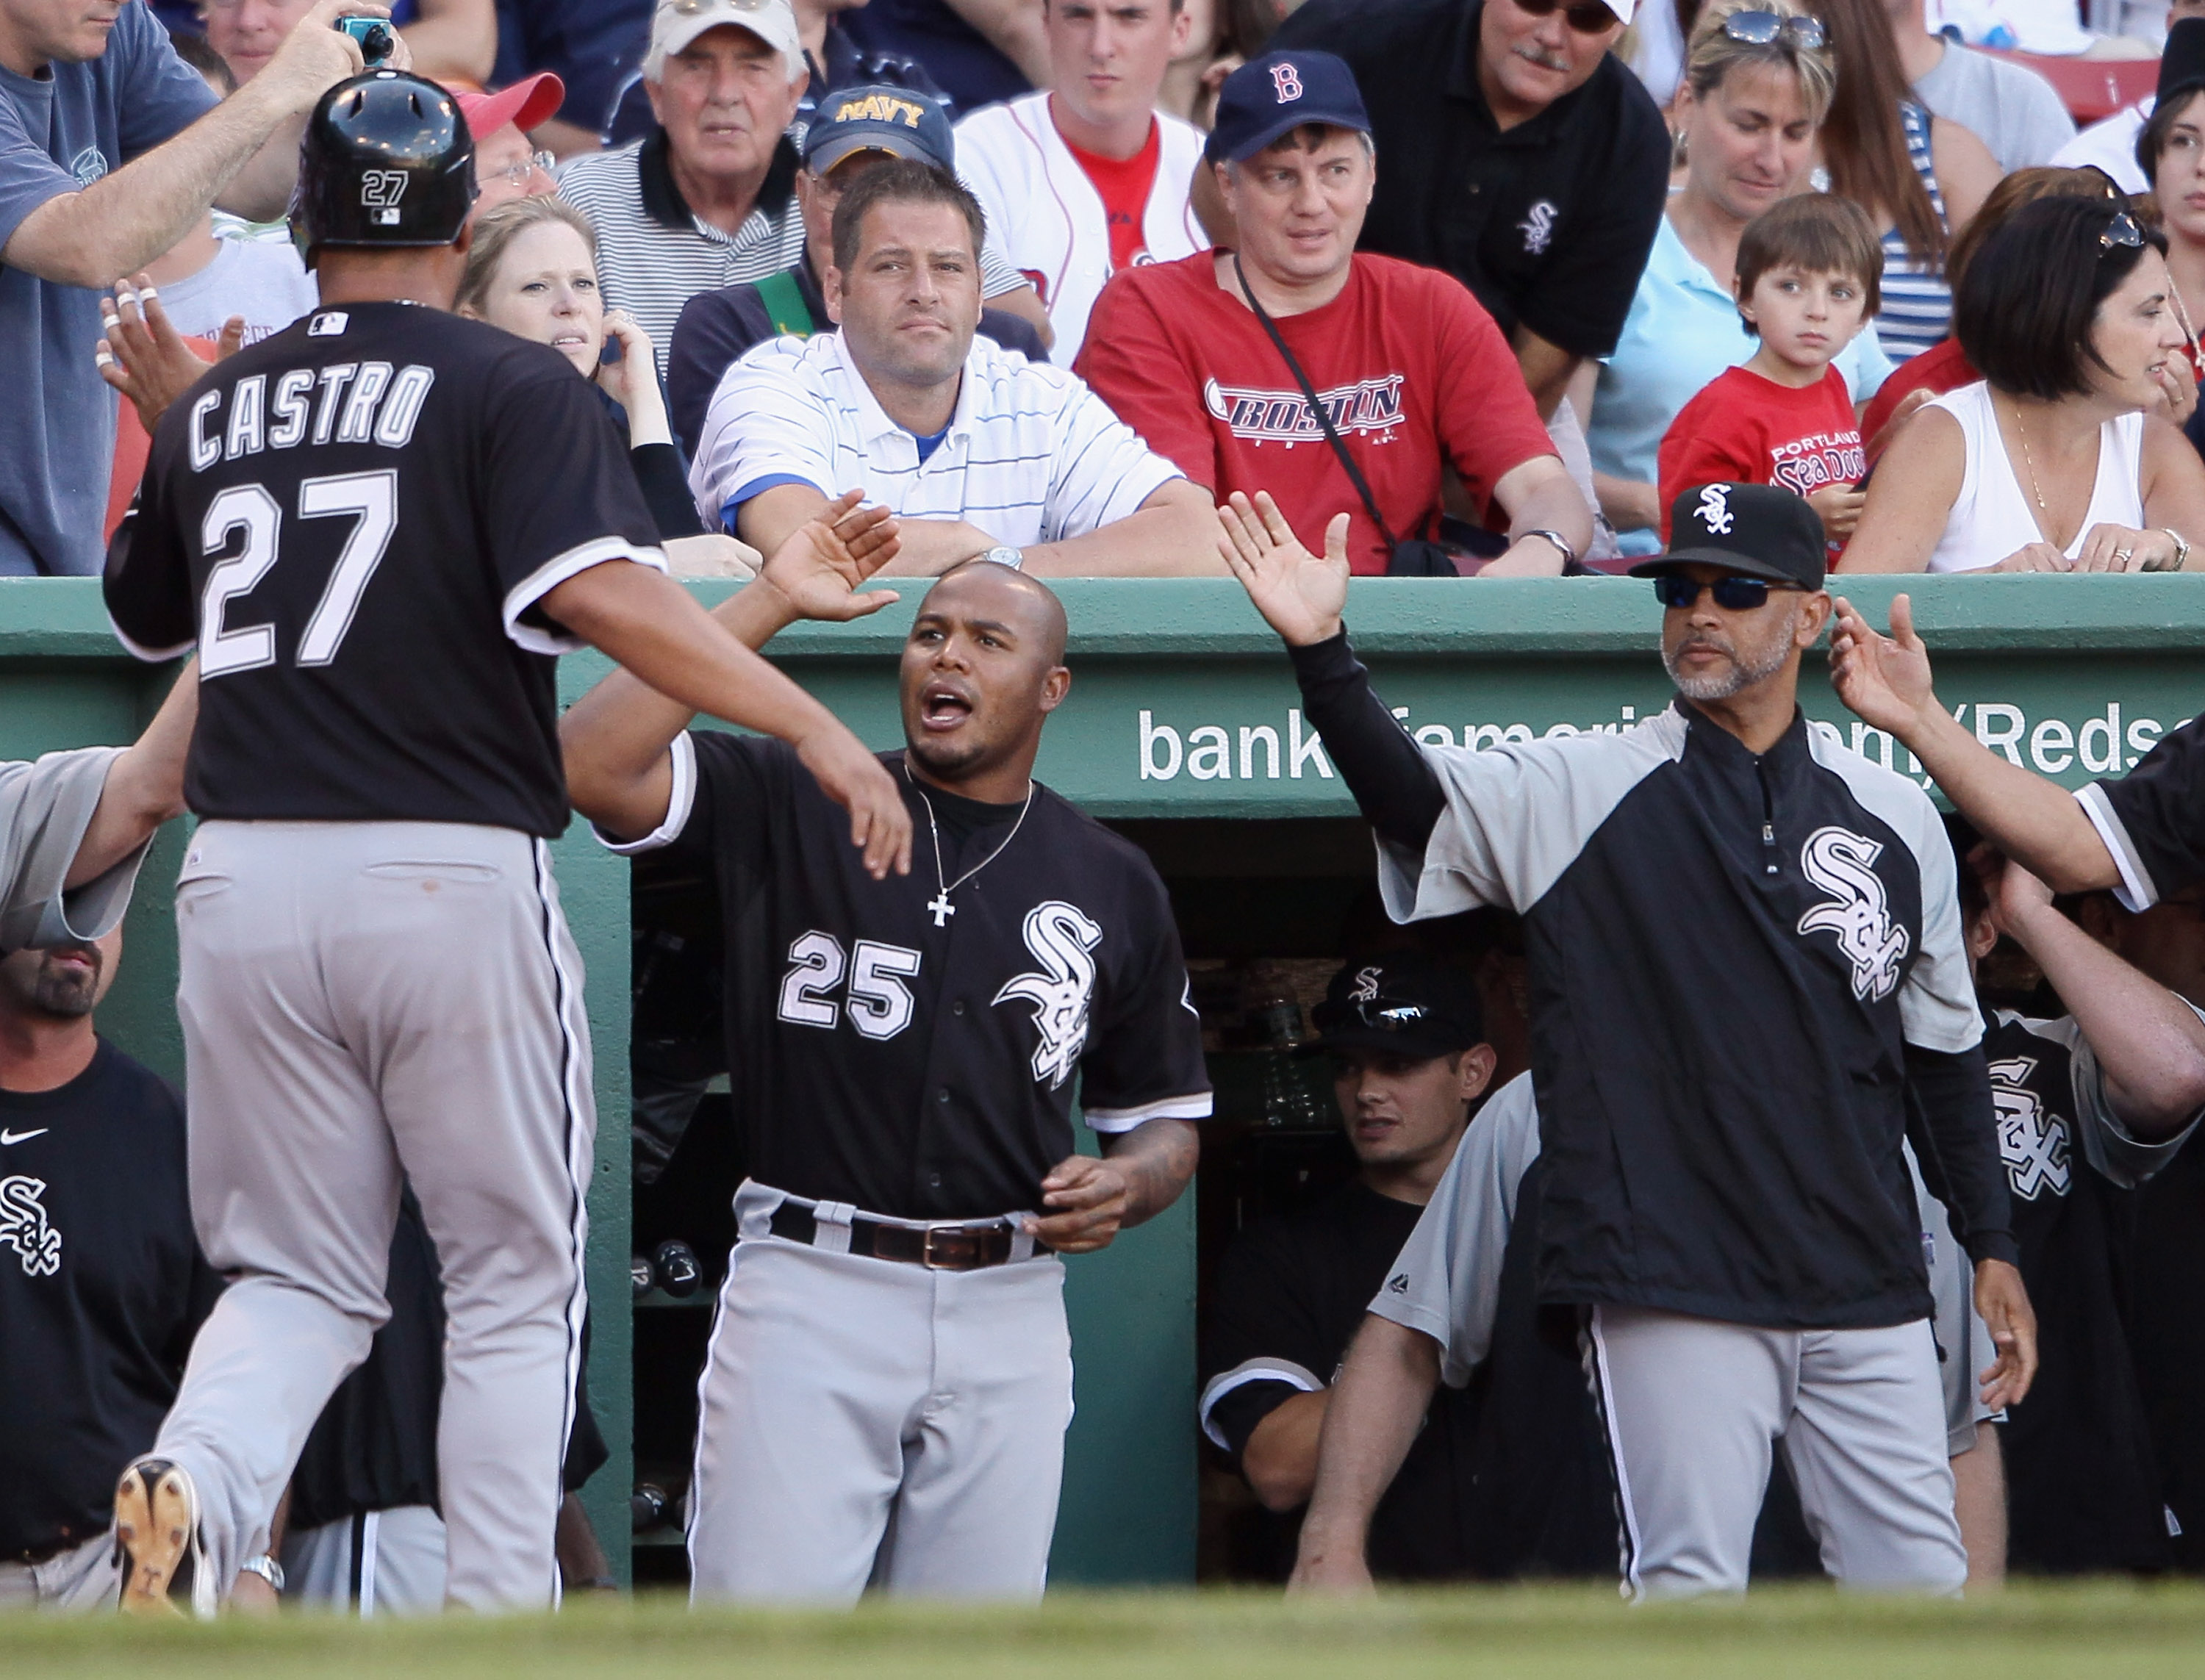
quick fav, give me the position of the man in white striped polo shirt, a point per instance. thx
(978, 452)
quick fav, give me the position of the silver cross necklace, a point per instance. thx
(939, 905)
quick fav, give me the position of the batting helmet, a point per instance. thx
(387, 160)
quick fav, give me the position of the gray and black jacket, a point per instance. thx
(1747, 988)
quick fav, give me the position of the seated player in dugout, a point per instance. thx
(2092, 1106)
(889, 1373)
(1295, 364)
(977, 452)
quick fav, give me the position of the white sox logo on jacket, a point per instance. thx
(2032, 1143)
(23, 1226)
(1063, 938)
(1838, 861)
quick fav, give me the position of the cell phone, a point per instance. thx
(611, 353)
(374, 36)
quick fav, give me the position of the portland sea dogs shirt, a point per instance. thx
(913, 1063)
(1729, 959)
(354, 522)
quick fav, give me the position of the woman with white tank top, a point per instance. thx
(2050, 462)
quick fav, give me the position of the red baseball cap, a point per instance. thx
(529, 102)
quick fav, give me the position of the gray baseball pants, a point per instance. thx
(82, 1578)
(1694, 1409)
(362, 1002)
(863, 1422)
(378, 1563)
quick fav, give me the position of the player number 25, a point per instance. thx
(880, 1003)
(372, 498)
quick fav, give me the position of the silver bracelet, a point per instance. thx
(266, 1568)
(2181, 550)
(1569, 553)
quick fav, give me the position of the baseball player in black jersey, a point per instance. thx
(889, 1378)
(1747, 990)
(378, 527)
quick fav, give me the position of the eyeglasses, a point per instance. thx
(518, 174)
(1733, 594)
(1761, 29)
(2124, 230)
(1590, 17)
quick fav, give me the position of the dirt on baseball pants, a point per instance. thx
(1694, 1409)
(360, 1001)
(864, 1422)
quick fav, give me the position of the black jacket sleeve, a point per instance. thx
(664, 479)
(1952, 1125)
(1392, 781)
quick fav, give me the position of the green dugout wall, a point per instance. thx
(1183, 710)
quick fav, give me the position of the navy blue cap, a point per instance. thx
(1272, 96)
(879, 118)
(1406, 1004)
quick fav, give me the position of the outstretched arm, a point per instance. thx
(1887, 680)
(1376, 1407)
(144, 786)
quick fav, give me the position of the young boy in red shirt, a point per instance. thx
(1807, 274)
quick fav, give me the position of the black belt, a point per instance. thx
(940, 1248)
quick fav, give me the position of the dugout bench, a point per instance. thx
(1183, 728)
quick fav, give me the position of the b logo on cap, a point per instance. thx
(1715, 509)
(1285, 82)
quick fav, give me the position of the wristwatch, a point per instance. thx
(1004, 555)
(266, 1568)
(1569, 553)
(2181, 550)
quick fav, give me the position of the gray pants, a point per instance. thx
(380, 1563)
(1694, 1409)
(864, 1422)
(81, 1578)
(362, 1002)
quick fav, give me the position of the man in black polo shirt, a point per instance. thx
(1515, 152)
(102, 1282)
(1408, 1038)
(855, 129)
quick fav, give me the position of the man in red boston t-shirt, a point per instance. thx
(1412, 372)
(1084, 181)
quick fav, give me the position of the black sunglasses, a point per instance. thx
(1587, 19)
(1733, 594)
(1374, 1013)
(1761, 29)
(2124, 230)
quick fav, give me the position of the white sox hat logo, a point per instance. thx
(1714, 511)
(1365, 990)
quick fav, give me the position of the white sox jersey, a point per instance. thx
(913, 1053)
(1046, 217)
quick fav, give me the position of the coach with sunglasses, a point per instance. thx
(1747, 986)
(1516, 153)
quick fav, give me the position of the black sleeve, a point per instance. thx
(1392, 781)
(1144, 1058)
(147, 583)
(663, 478)
(1013, 332)
(715, 328)
(1262, 1345)
(2160, 806)
(1953, 1128)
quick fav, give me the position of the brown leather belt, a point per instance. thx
(939, 1248)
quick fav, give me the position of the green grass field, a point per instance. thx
(1524, 1634)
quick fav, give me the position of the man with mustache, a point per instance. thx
(102, 1282)
(1748, 986)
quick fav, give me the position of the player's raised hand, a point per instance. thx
(1299, 595)
(144, 356)
(819, 568)
(1884, 679)
(850, 776)
(2004, 1304)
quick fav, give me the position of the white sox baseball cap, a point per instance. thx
(675, 23)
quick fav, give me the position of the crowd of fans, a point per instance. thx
(1485, 285)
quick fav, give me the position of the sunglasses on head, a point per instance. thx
(1589, 17)
(1733, 594)
(2124, 230)
(1761, 29)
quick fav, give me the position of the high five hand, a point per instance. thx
(1299, 595)
(1884, 679)
(818, 568)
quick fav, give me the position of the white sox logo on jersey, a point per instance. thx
(1838, 861)
(1063, 938)
(23, 1226)
(2032, 1143)
(1538, 228)
(1285, 417)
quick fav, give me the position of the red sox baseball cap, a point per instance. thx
(1274, 95)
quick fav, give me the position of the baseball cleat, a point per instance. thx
(157, 1530)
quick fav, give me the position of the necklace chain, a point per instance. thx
(2029, 461)
(939, 905)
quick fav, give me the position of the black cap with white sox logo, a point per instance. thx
(1756, 531)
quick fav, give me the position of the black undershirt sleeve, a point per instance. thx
(1951, 1120)
(1393, 782)
(663, 479)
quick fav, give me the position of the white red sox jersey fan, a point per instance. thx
(1048, 213)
